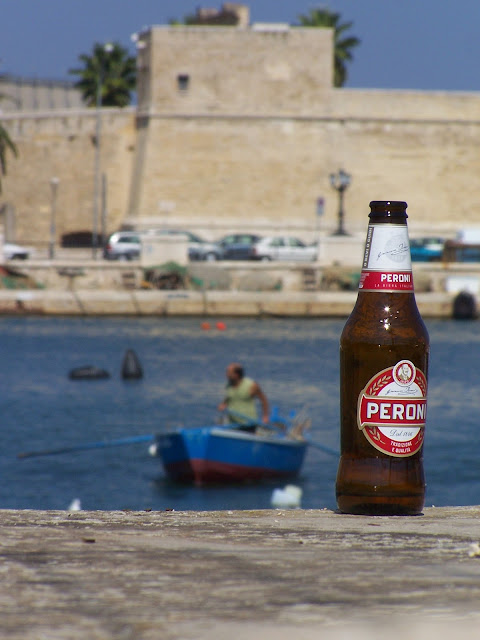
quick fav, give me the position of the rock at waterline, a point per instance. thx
(88, 372)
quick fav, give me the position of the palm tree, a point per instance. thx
(342, 46)
(6, 143)
(113, 69)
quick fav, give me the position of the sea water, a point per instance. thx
(295, 362)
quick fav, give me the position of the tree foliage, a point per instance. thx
(111, 68)
(342, 45)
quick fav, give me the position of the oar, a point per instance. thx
(88, 445)
(312, 443)
(249, 421)
(321, 447)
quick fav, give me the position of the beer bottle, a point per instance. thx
(384, 351)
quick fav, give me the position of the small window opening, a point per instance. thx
(183, 80)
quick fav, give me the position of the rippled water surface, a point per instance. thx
(296, 362)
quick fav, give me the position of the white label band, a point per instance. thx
(387, 264)
(387, 248)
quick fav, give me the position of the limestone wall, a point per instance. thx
(62, 145)
(262, 70)
(31, 94)
(248, 144)
(252, 138)
(238, 172)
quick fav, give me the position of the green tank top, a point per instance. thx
(241, 401)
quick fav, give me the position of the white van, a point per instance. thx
(468, 236)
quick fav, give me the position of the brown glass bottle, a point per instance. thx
(381, 465)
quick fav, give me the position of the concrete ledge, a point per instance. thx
(193, 303)
(239, 574)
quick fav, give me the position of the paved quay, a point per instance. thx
(74, 284)
(239, 574)
(86, 302)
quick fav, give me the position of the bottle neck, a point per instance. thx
(387, 264)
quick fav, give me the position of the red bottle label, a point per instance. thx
(387, 264)
(392, 410)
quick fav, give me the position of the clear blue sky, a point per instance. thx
(406, 44)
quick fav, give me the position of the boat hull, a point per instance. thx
(225, 455)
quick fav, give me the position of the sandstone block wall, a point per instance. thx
(62, 145)
(270, 70)
(252, 139)
(248, 144)
(31, 94)
(221, 174)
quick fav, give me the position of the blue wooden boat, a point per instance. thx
(230, 453)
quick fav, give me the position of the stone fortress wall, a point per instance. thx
(33, 94)
(238, 128)
(62, 145)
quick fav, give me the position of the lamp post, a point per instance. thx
(53, 217)
(340, 182)
(108, 48)
(103, 218)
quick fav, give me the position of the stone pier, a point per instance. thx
(272, 574)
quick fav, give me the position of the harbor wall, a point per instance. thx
(201, 304)
(73, 286)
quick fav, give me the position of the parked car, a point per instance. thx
(123, 245)
(237, 246)
(198, 248)
(468, 235)
(426, 249)
(284, 248)
(81, 240)
(15, 252)
(459, 252)
(464, 248)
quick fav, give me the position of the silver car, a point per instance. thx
(123, 245)
(284, 248)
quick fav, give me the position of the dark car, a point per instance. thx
(460, 252)
(237, 246)
(81, 240)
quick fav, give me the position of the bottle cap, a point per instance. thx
(388, 208)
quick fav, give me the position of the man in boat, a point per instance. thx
(241, 395)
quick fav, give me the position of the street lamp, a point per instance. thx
(108, 48)
(53, 217)
(135, 38)
(340, 182)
